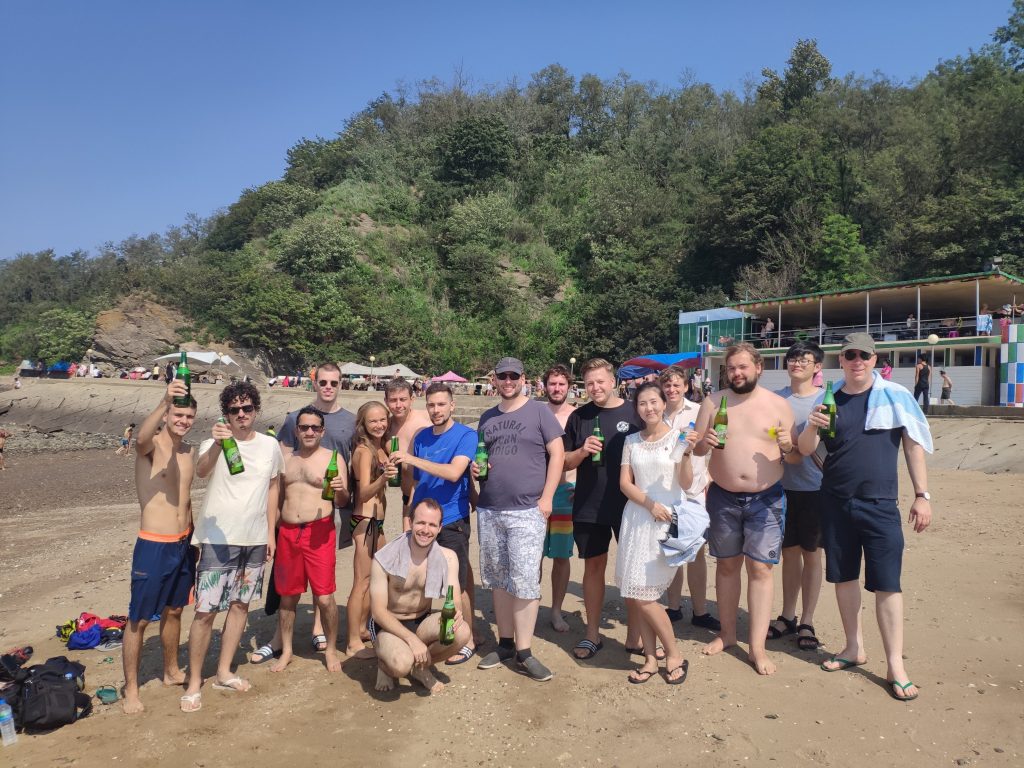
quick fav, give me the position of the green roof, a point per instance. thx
(996, 273)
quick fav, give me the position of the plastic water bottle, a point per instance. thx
(682, 447)
(7, 734)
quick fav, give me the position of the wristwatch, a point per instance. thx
(924, 495)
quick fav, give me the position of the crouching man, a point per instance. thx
(406, 576)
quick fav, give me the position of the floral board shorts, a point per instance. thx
(511, 549)
(228, 574)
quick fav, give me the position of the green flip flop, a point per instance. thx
(107, 694)
(843, 664)
(903, 687)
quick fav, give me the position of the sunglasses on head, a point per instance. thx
(325, 383)
(309, 427)
(853, 354)
(237, 409)
(509, 376)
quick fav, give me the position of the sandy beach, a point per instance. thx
(67, 526)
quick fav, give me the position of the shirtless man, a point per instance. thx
(558, 543)
(3, 442)
(163, 565)
(405, 422)
(746, 501)
(126, 442)
(306, 540)
(406, 575)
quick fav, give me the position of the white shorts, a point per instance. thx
(511, 549)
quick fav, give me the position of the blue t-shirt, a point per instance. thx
(457, 440)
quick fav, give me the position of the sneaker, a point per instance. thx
(534, 669)
(674, 614)
(496, 658)
(707, 621)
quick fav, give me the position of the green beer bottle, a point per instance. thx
(830, 408)
(185, 375)
(271, 432)
(330, 474)
(448, 619)
(721, 424)
(231, 453)
(481, 458)
(396, 481)
(598, 458)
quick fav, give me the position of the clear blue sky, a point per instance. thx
(120, 117)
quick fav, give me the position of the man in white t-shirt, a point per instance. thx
(234, 531)
(680, 413)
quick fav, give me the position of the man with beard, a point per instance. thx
(439, 459)
(746, 501)
(558, 542)
(524, 445)
(598, 502)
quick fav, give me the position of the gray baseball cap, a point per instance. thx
(509, 365)
(861, 341)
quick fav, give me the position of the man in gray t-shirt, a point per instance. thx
(801, 545)
(525, 457)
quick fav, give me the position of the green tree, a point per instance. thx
(844, 261)
(63, 334)
(475, 149)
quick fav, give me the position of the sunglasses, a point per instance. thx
(237, 409)
(509, 376)
(309, 428)
(325, 383)
(853, 354)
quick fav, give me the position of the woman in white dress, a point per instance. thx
(652, 482)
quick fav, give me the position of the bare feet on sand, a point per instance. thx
(761, 663)
(174, 678)
(385, 682)
(333, 660)
(718, 645)
(425, 678)
(558, 622)
(282, 663)
(846, 658)
(132, 705)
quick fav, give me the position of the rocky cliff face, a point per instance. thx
(139, 330)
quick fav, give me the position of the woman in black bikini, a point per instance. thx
(372, 470)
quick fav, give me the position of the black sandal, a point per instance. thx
(774, 633)
(807, 642)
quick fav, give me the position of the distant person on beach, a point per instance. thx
(946, 395)
(922, 382)
(746, 501)
(339, 428)
(3, 442)
(163, 564)
(234, 531)
(17, 382)
(406, 576)
(306, 552)
(860, 516)
(125, 448)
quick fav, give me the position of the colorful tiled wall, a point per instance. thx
(1011, 366)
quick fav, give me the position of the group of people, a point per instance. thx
(657, 474)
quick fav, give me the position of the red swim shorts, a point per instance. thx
(306, 552)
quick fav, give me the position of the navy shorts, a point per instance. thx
(748, 524)
(873, 528)
(803, 521)
(163, 574)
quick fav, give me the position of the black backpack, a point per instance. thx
(49, 695)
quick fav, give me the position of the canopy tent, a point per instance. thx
(449, 376)
(384, 371)
(641, 366)
(206, 358)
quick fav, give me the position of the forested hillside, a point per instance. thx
(449, 225)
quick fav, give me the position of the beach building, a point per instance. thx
(970, 325)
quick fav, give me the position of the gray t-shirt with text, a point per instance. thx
(516, 448)
(804, 476)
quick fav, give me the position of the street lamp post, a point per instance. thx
(932, 341)
(572, 368)
(372, 361)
